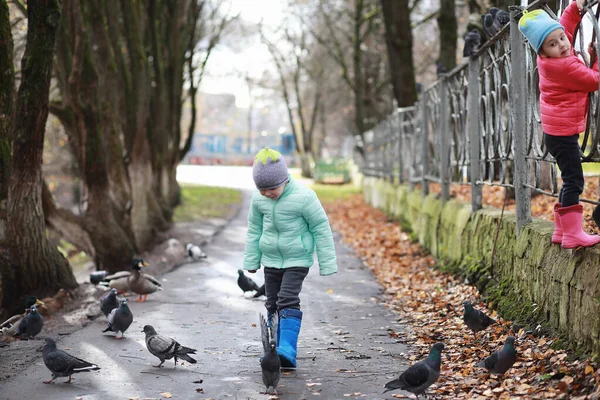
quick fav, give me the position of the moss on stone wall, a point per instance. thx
(529, 280)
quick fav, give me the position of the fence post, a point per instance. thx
(473, 94)
(445, 139)
(518, 112)
(425, 149)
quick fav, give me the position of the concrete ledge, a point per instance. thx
(531, 281)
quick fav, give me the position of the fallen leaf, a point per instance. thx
(166, 395)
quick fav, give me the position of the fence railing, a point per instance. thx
(480, 125)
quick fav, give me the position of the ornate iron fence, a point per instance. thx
(480, 125)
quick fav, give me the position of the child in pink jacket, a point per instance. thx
(565, 82)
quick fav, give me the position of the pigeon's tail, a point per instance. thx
(393, 385)
(481, 364)
(88, 368)
(108, 328)
(186, 357)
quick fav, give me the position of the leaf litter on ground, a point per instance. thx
(430, 302)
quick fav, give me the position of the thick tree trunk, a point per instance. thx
(7, 87)
(34, 265)
(448, 33)
(399, 40)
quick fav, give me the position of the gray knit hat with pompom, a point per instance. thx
(269, 170)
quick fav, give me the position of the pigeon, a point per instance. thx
(475, 319)
(109, 302)
(488, 25)
(97, 276)
(270, 363)
(195, 252)
(31, 325)
(245, 283)
(419, 376)
(119, 319)
(61, 363)
(440, 69)
(472, 43)
(260, 292)
(493, 11)
(500, 361)
(501, 18)
(166, 348)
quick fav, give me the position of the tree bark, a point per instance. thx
(7, 87)
(448, 33)
(399, 40)
(38, 267)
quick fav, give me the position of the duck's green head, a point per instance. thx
(138, 264)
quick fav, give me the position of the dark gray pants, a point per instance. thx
(283, 286)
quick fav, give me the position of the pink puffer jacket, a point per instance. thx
(565, 84)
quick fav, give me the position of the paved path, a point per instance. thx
(343, 349)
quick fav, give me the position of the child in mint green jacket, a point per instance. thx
(285, 223)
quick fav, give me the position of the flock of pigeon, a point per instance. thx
(419, 376)
(492, 22)
(416, 379)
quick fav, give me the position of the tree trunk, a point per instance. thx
(34, 265)
(399, 40)
(306, 160)
(448, 33)
(7, 87)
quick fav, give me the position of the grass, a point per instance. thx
(331, 193)
(199, 202)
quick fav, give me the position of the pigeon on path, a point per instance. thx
(195, 252)
(61, 363)
(476, 320)
(109, 302)
(500, 361)
(270, 363)
(245, 283)
(166, 348)
(419, 376)
(119, 319)
(31, 325)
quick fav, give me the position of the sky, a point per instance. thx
(226, 65)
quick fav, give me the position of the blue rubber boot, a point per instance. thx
(290, 321)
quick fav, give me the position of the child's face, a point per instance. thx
(556, 45)
(273, 194)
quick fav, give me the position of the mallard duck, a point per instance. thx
(9, 327)
(140, 283)
(53, 304)
(118, 280)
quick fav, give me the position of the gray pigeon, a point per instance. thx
(119, 319)
(501, 18)
(61, 363)
(488, 25)
(270, 363)
(245, 283)
(109, 302)
(500, 361)
(472, 43)
(476, 320)
(30, 325)
(166, 348)
(419, 376)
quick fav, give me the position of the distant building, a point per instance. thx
(223, 135)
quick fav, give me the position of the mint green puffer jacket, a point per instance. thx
(283, 233)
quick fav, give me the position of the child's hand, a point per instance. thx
(580, 4)
(252, 271)
(592, 50)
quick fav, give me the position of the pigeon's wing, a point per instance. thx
(416, 375)
(22, 328)
(60, 361)
(264, 333)
(160, 346)
(490, 362)
(274, 325)
(253, 285)
(111, 316)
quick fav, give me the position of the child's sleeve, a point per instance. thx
(252, 254)
(569, 19)
(580, 78)
(318, 224)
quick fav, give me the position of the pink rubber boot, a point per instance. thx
(573, 235)
(558, 231)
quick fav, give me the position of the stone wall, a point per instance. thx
(530, 281)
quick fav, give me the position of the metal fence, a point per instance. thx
(480, 125)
